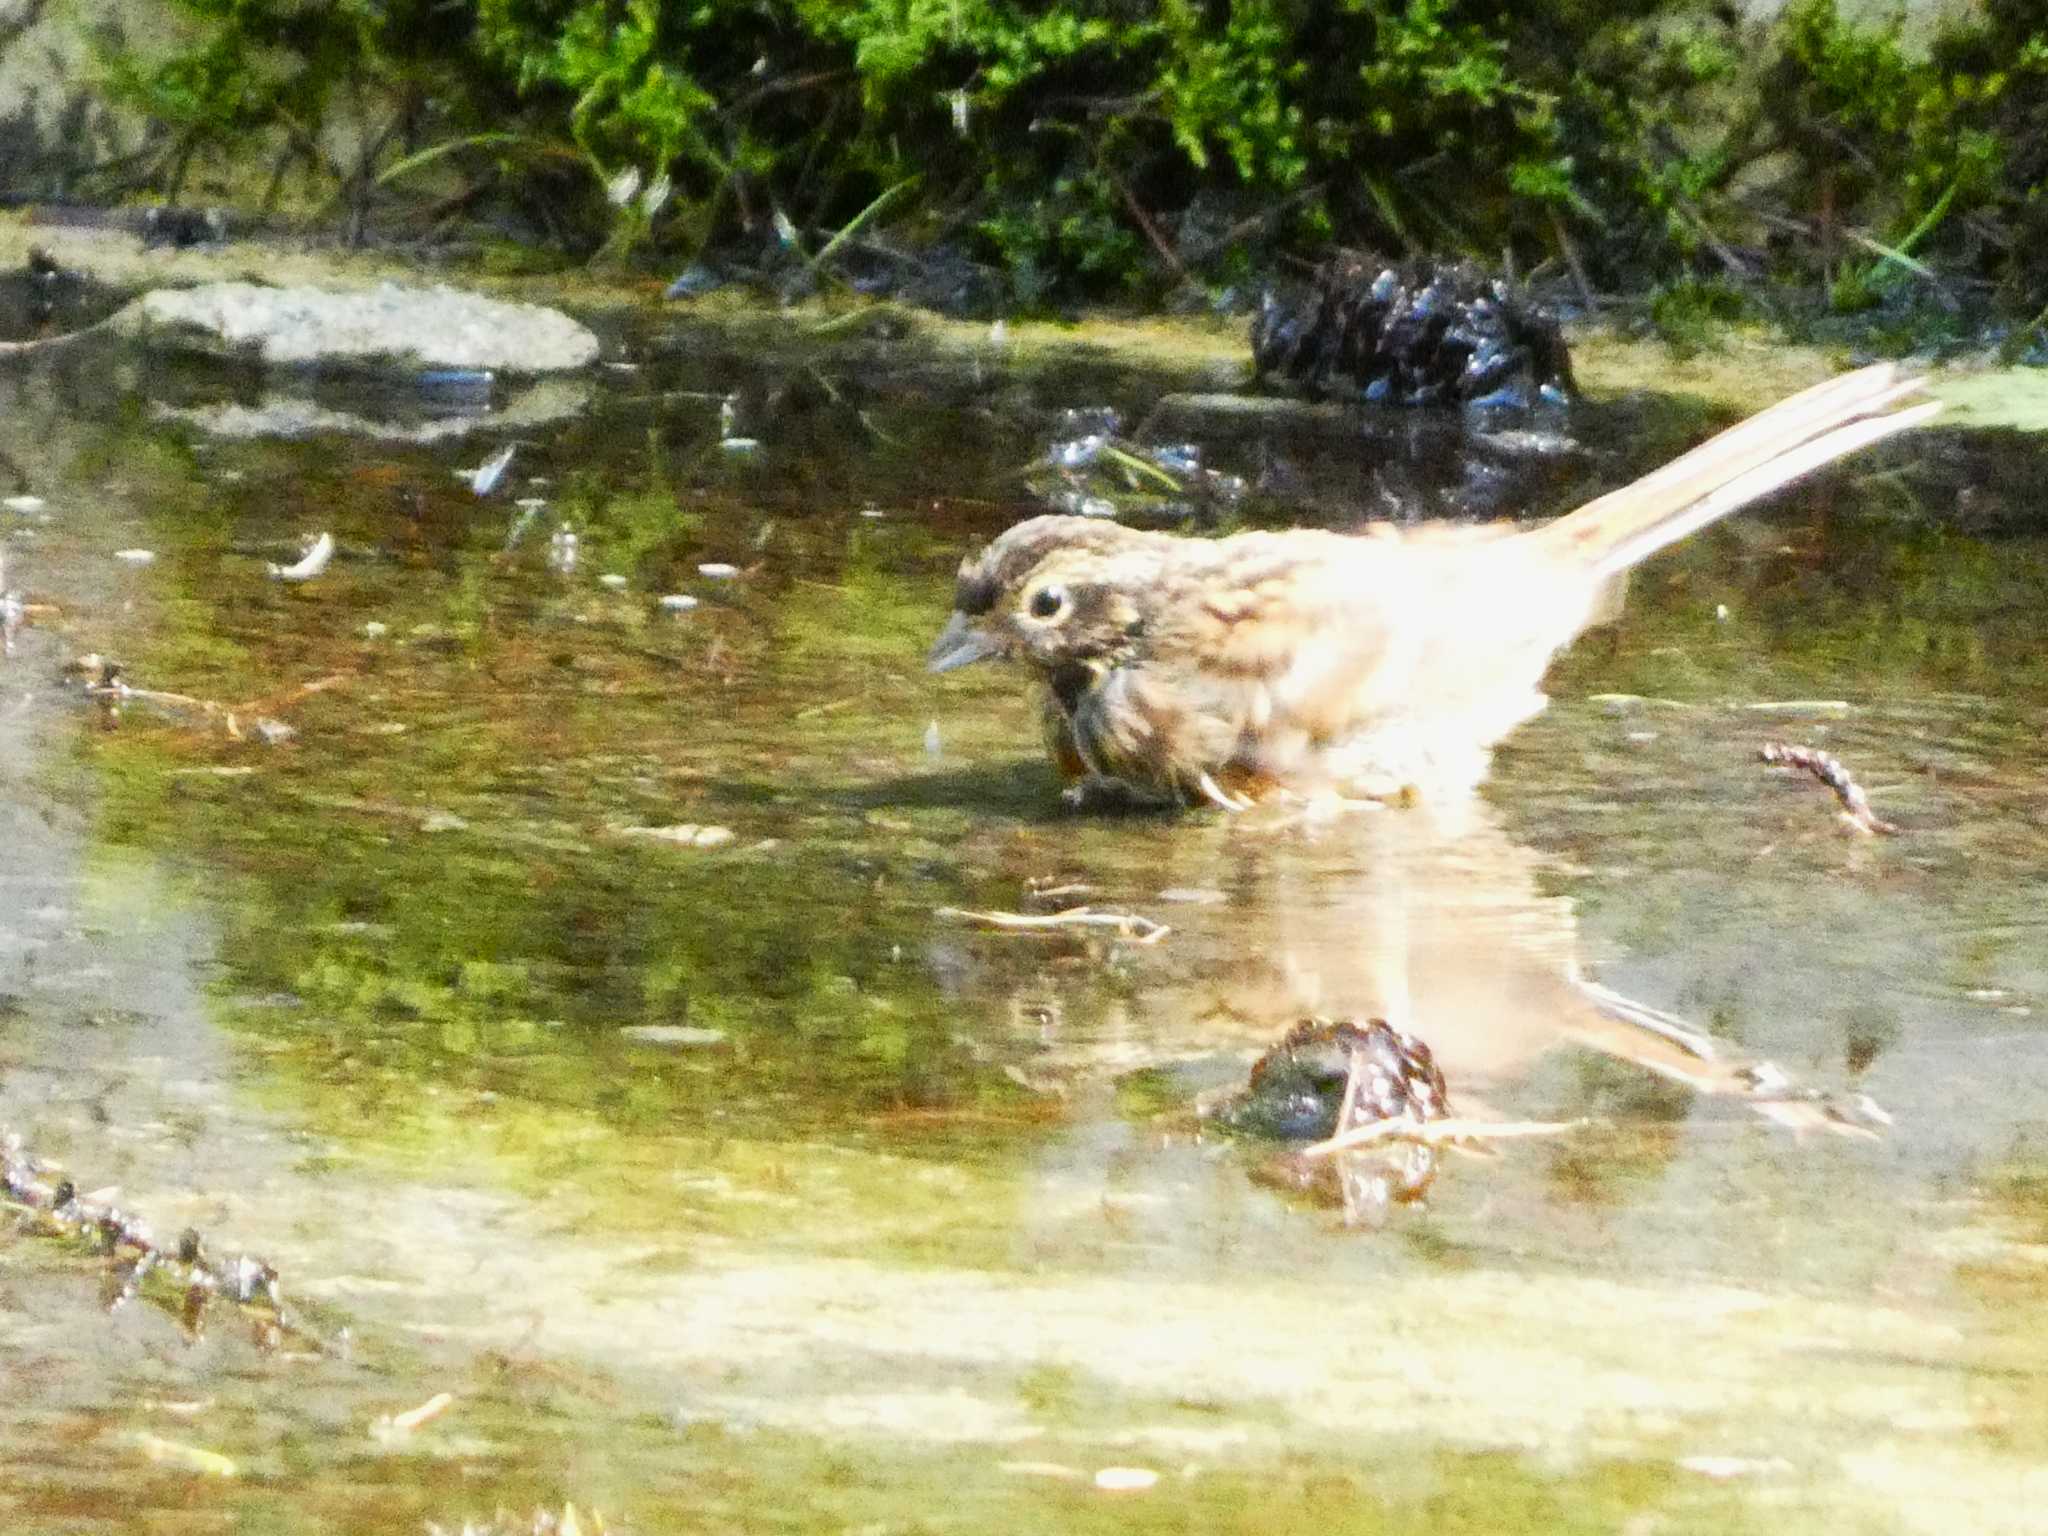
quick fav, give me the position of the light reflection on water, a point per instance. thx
(361, 1008)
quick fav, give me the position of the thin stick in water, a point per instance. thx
(1124, 925)
(1437, 1132)
(1829, 770)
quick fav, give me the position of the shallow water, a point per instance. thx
(913, 1226)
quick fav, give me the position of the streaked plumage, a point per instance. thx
(1375, 664)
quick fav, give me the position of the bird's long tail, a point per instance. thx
(1727, 472)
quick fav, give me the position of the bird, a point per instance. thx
(1370, 667)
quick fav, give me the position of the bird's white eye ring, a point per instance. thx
(1047, 603)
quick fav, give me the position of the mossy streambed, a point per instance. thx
(726, 1187)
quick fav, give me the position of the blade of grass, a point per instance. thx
(1138, 466)
(853, 225)
(433, 152)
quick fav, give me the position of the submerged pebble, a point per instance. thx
(672, 1034)
(1125, 1479)
(613, 580)
(25, 505)
(684, 835)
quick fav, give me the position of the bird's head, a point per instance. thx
(1055, 592)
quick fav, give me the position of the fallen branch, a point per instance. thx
(1124, 925)
(55, 1208)
(1856, 809)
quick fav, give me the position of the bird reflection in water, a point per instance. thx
(1432, 920)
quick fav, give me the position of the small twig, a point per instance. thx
(1437, 1132)
(426, 1413)
(1571, 259)
(1125, 925)
(291, 696)
(1829, 770)
(779, 87)
(118, 692)
(1144, 221)
(1244, 227)
(1052, 888)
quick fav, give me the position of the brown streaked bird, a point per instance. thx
(1374, 665)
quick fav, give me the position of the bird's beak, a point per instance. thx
(959, 643)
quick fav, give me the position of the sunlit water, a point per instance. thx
(727, 1186)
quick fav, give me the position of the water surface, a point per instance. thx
(730, 1187)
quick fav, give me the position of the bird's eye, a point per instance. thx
(1047, 602)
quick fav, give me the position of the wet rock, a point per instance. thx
(1422, 334)
(180, 228)
(1296, 1093)
(1296, 1088)
(435, 328)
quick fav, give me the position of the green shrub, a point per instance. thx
(1111, 146)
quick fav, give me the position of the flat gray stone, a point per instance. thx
(437, 327)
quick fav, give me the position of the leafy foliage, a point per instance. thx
(1097, 145)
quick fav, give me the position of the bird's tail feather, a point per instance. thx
(1745, 462)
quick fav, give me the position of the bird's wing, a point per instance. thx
(1308, 643)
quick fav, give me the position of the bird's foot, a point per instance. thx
(1222, 798)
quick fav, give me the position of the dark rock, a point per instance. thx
(41, 299)
(1422, 334)
(1296, 1094)
(1296, 1089)
(182, 227)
